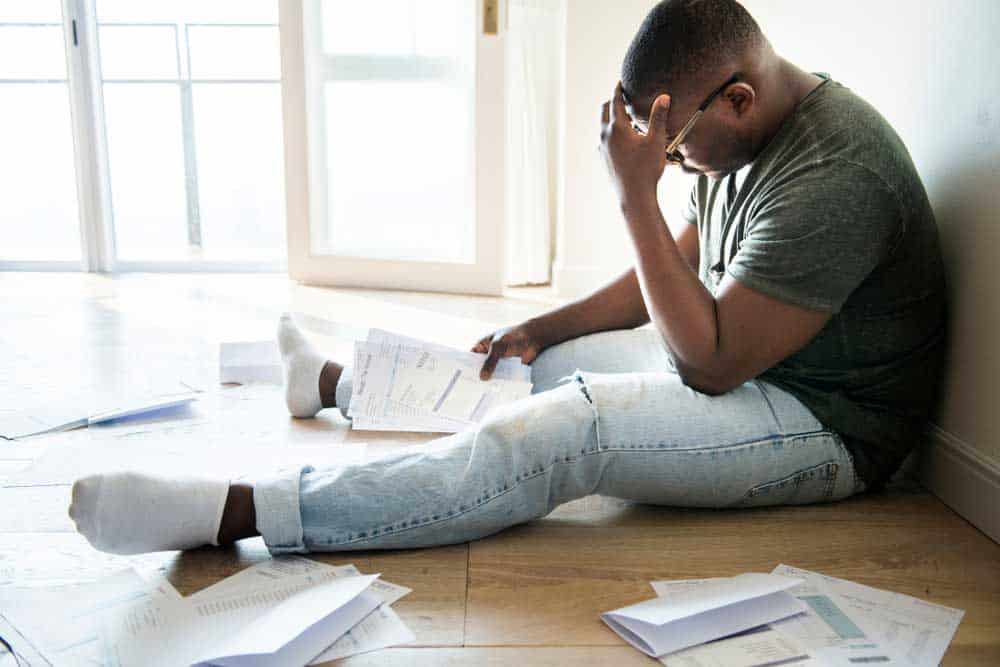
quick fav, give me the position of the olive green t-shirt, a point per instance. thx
(832, 216)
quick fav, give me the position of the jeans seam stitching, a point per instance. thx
(825, 464)
(742, 443)
(770, 405)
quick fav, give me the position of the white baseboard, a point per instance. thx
(964, 479)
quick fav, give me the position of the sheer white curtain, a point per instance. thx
(534, 66)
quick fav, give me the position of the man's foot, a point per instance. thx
(303, 368)
(132, 512)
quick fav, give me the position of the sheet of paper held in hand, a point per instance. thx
(405, 384)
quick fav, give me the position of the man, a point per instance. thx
(796, 341)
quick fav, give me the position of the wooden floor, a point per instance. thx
(528, 596)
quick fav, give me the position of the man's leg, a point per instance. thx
(638, 436)
(620, 351)
(606, 352)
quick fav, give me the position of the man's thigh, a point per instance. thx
(623, 351)
(665, 443)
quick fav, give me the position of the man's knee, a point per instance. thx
(553, 424)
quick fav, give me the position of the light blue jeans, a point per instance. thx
(624, 426)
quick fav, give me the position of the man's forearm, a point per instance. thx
(617, 305)
(680, 307)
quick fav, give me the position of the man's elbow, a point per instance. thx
(706, 383)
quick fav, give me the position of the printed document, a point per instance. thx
(908, 630)
(380, 629)
(401, 383)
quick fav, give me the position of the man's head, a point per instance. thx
(688, 49)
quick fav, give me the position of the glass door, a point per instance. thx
(192, 111)
(39, 218)
(394, 143)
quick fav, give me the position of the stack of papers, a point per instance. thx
(404, 384)
(287, 611)
(789, 617)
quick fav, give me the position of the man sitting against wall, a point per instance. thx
(796, 339)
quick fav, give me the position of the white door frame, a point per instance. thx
(485, 276)
(90, 142)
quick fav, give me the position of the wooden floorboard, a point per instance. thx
(530, 595)
(569, 570)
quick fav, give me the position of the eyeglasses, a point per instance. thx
(673, 155)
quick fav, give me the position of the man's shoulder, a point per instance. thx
(835, 126)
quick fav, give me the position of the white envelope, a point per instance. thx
(719, 609)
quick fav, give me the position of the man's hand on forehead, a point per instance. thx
(635, 161)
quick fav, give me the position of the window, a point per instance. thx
(39, 219)
(176, 119)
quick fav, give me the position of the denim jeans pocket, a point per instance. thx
(811, 485)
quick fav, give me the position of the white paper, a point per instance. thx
(380, 629)
(296, 570)
(282, 624)
(385, 591)
(508, 368)
(371, 407)
(753, 649)
(140, 406)
(703, 613)
(674, 586)
(252, 361)
(298, 628)
(69, 413)
(42, 419)
(916, 631)
(405, 384)
(63, 622)
(24, 650)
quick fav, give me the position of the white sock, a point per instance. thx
(303, 364)
(132, 512)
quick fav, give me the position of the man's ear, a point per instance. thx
(740, 97)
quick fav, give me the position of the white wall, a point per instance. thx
(591, 245)
(930, 66)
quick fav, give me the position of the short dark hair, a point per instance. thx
(682, 40)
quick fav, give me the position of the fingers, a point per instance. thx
(497, 349)
(483, 345)
(618, 111)
(658, 115)
(605, 113)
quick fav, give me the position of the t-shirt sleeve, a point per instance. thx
(814, 239)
